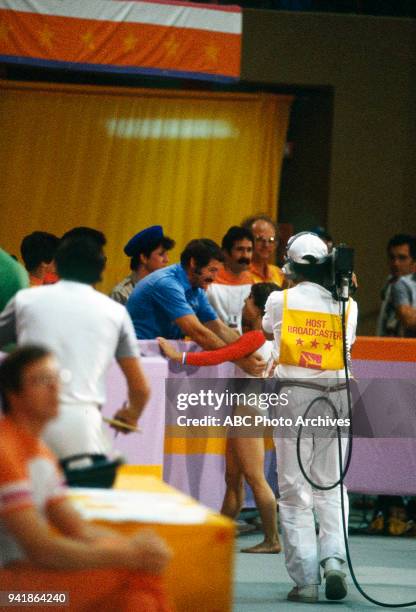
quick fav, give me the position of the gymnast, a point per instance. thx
(244, 455)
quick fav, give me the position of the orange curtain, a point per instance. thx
(120, 159)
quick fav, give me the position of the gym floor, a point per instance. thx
(385, 567)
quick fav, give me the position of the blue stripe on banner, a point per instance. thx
(159, 72)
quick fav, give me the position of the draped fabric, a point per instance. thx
(120, 159)
(154, 38)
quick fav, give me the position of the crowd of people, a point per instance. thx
(213, 295)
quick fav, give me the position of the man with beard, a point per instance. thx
(233, 282)
(172, 303)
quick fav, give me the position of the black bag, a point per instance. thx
(89, 470)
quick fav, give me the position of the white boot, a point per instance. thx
(335, 585)
(305, 594)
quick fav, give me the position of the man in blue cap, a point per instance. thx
(149, 252)
(172, 303)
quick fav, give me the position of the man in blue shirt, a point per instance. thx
(172, 302)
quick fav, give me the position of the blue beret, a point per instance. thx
(143, 240)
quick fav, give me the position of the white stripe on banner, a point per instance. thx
(134, 12)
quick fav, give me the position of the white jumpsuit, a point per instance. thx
(298, 500)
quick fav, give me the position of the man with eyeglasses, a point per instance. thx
(401, 252)
(264, 231)
(45, 543)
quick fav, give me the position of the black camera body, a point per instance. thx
(340, 273)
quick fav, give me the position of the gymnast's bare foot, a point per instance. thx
(268, 548)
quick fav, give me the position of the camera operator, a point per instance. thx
(305, 323)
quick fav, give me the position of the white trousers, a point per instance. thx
(77, 429)
(298, 500)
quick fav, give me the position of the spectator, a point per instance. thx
(33, 557)
(172, 302)
(265, 235)
(86, 232)
(86, 330)
(233, 282)
(12, 278)
(401, 253)
(148, 251)
(404, 300)
(38, 252)
(394, 312)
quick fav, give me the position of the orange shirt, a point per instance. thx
(29, 477)
(224, 277)
(35, 281)
(274, 274)
(49, 279)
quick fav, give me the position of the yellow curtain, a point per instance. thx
(121, 159)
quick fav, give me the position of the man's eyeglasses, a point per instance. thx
(262, 240)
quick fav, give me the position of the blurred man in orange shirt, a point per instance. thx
(96, 567)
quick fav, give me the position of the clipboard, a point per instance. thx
(118, 423)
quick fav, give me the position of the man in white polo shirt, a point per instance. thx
(85, 330)
(305, 323)
(233, 282)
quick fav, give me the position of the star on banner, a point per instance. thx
(211, 53)
(46, 36)
(314, 344)
(171, 45)
(328, 346)
(88, 40)
(299, 341)
(129, 42)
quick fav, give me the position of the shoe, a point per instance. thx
(335, 584)
(305, 594)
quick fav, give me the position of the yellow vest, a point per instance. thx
(311, 339)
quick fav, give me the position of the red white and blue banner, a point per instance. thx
(159, 38)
